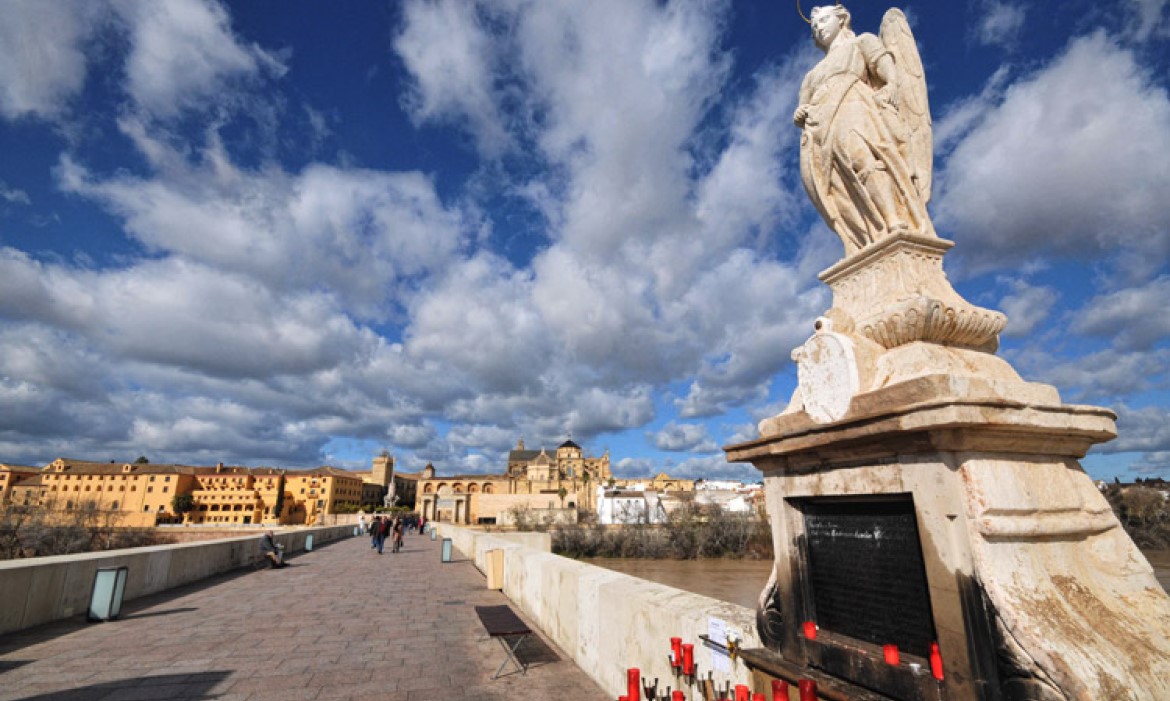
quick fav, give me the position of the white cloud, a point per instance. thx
(1026, 307)
(362, 235)
(741, 433)
(631, 468)
(1145, 429)
(1000, 24)
(1062, 165)
(480, 437)
(714, 467)
(681, 437)
(1135, 317)
(183, 54)
(42, 57)
(183, 314)
(13, 195)
(411, 436)
(478, 320)
(753, 187)
(1155, 464)
(1098, 377)
(1150, 18)
(449, 53)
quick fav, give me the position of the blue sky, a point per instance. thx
(293, 234)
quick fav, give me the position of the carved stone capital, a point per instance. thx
(895, 292)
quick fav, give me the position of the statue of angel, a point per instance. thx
(865, 150)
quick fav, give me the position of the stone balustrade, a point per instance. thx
(607, 621)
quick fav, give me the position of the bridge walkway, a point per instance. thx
(341, 622)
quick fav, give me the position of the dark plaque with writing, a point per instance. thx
(866, 573)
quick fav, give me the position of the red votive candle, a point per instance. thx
(890, 653)
(741, 693)
(677, 696)
(634, 684)
(676, 651)
(688, 651)
(936, 662)
(808, 690)
(810, 630)
(758, 697)
(779, 690)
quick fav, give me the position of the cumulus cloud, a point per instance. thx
(361, 234)
(741, 433)
(1026, 306)
(714, 467)
(183, 53)
(1135, 318)
(681, 437)
(1098, 377)
(449, 52)
(1045, 170)
(42, 57)
(632, 468)
(1145, 429)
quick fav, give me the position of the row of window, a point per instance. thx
(166, 478)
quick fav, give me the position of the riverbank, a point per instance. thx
(691, 531)
(741, 581)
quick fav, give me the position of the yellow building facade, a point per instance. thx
(563, 479)
(144, 495)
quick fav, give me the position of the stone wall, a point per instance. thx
(44, 589)
(606, 621)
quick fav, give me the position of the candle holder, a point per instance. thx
(650, 691)
(725, 692)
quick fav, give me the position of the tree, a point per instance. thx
(562, 493)
(278, 507)
(141, 460)
(182, 504)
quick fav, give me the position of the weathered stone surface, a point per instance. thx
(895, 292)
(1035, 591)
(606, 621)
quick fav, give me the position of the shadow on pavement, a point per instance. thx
(135, 608)
(168, 686)
(165, 612)
(534, 652)
(6, 665)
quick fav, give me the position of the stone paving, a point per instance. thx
(341, 622)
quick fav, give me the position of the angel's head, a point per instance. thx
(827, 22)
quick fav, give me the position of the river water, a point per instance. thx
(741, 581)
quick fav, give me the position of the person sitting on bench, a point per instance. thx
(272, 550)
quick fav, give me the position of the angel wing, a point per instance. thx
(913, 106)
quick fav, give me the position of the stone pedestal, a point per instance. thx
(1032, 588)
(895, 292)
